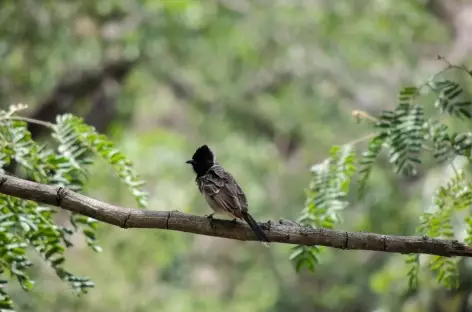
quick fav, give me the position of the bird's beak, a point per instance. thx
(191, 161)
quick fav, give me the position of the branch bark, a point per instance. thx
(286, 232)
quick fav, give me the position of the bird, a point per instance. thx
(221, 191)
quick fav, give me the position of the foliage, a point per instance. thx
(326, 197)
(325, 57)
(406, 133)
(78, 137)
(27, 224)
(456, 195)
(413, 262)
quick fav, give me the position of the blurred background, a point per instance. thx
(269, 85)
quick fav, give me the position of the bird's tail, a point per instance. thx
(256, 228)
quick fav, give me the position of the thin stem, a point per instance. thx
(30, 120)
(449, 65)
(360, 140)
(362, 114)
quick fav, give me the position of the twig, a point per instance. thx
(30, 120)
(451, 66)
(362, 114)
(361, 139)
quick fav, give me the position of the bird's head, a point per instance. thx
(202, 160)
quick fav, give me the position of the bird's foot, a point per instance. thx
(234, 221)
(211, 219)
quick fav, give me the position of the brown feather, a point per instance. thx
(224, 195)
(222, 192)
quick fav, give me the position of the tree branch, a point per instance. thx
(282, 232)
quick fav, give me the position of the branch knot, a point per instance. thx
(125, 221)
(61, 193)
(3, 180)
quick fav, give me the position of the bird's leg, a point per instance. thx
(211, 219)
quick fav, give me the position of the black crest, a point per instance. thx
(203, 155)
(202, 160)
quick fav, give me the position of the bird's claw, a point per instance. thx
(211, 219)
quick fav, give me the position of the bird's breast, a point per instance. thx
(212, 203)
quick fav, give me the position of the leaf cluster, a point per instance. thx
(325, 198)
(406, 135)
(28, 226)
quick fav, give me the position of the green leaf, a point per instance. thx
(75, 130)
(407, 94)
(439, 135)
(367, 160)
(53, 251)
(329, 187)
(451, 100)
(305, 257)
(447, 271)
(413, 264)
(406, 138)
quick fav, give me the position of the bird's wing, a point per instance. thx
(241, 197)
(225, 191)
